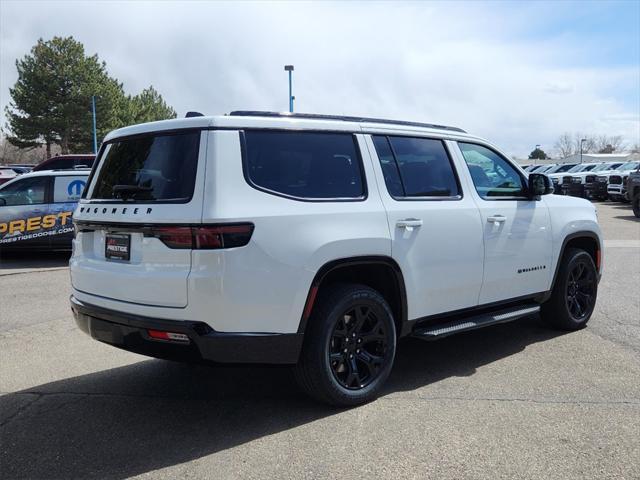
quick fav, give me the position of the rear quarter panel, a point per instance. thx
(263, 286)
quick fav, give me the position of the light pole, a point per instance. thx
(289, 68)
(535, 150)
(95, 134)
(581, 142)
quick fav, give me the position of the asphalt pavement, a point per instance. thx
(511, 401)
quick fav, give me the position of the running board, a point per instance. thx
(446, 328)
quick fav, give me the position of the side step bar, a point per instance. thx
(449, 327)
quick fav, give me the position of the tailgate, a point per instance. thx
(129, 265)
(142, 198)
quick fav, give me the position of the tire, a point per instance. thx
(574, 293)
(636, 204)
(332, 368)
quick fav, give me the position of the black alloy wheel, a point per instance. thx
(349, 346)
(574, 293)
(357, 347)
(581, 296)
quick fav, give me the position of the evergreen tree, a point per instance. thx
(51, 100)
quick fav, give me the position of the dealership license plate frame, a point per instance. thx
(120, 240)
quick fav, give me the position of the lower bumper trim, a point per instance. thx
(130, 332)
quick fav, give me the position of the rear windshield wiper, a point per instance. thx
(129, 191)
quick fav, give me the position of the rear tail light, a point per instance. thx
(207, 237)
(174, 237)
(168, 336)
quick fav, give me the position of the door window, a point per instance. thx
(28, 191)
(68, 188)
(416, 167)
(492, 175)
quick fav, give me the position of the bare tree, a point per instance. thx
(617, 141)
(564, 145)
(568, 144)
(9, 153)
(588, 145)
(607, 144)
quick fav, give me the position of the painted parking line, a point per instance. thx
(622, 244)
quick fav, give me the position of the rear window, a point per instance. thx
(150, 168)
(304, 165)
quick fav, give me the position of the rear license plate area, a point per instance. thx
(117, 246)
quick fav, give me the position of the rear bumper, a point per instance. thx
(130, 332)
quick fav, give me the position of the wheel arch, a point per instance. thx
(585, 240)
(381, 273)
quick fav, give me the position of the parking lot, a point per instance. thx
(511, 401)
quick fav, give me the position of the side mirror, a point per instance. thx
(539, 184)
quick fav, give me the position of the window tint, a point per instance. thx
(492, 175)
(304, 165)
(28, 191)
(149, 169)
(416, 167)
(67, 188)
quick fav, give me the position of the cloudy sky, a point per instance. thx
(516, 73)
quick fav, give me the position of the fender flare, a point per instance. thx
(349, 262)
(572, 236)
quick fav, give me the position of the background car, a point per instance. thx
(20, 169)
(562, 175)
(582, 180)
(6, 174)
(617, 182)
(543, 168)
(36, 209)
(65, 162)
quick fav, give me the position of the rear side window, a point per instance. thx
(150, 168)
(416, 167)
(68, 188)
(304, 165)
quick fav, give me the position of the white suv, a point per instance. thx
(319, 241)
(617, 182)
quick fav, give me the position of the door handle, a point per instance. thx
(496, 219)
(409, 223)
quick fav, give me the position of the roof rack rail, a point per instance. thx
(313, 116)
